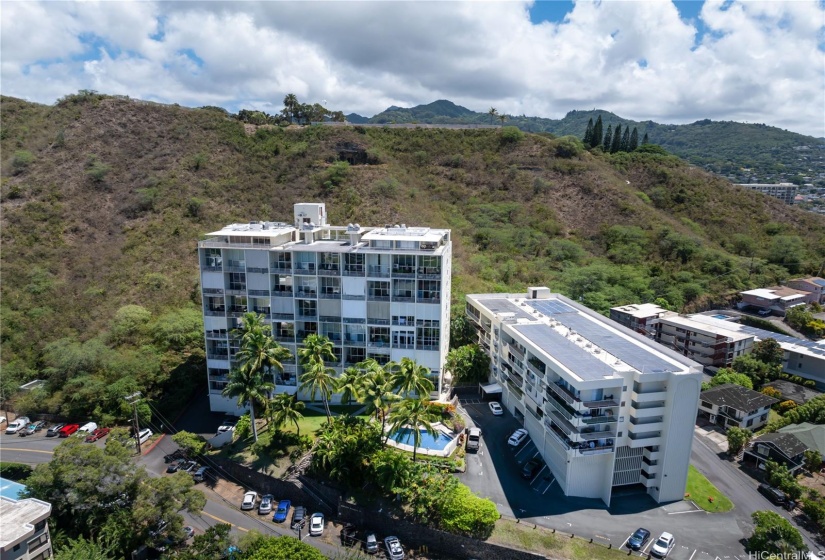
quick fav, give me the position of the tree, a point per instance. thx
(493, 112)
(83, 549)
(376, 392)
(464, 513)
(773, 534)
(588, 134)
(258, 355)
(615, 146)
(461, 331)
(417, 415)
(285, 408)
(502, 119)
(608, 138)
(391, 470)
(468, 363)
(771, 392)
(408, 377)
(211, 545)
(349, 384)
(725, 375)
(317, 377)
(645, 140)
(191, 444)
(290, 107)
(634, 140)
(738, 438)
(785, 406)
(768, 351)
(813, 460)
(283, 548)
(625, 144)
(596, 141)
(757, 370)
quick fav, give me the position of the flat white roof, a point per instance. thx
(789, 343)
(710, 328)
(17, 517)
(260, 229)
(774, 294)
(405, 234)
(641, 310)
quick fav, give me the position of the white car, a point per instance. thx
(226, 426)
(249, 500)
(662, 547)
(17, 425)
(394, 549)
(88, 427)
(496, 409)
(316, 524)
(518, 437)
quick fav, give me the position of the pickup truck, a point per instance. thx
(18, 425)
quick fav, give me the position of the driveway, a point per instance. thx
(495, 473)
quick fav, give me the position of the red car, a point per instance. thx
(68, 430)
(99, 433)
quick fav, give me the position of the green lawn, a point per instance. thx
(700, 491)
(527, 536)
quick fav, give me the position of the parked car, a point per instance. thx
(176, 454)
(662, 547)
(99, 433)
(265, 507)
(473, 440)
(298, 515)
(764, 312)
(316, 524)
(518, 437)
(18, 424)
(32, 428)
(249, 500)
(175, 465)
(775, 495)
(638, 539)
(531, 467)
(190, 467)
(394, 549)
(68, 430)
(144, 435)
(189, 532)
(282, 512)
(371, 544)
(202, 474)
(2, 420)
(88, 427)
(348, 535)
(54, 429)
(496, 409)
(226, 426)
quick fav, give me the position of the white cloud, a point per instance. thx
(757, 61)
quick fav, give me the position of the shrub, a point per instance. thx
(335, 175)
(96, 170)
(464, 513)
(193, 207)
(15, 471)
(21, 161)
(511, 135)
(243, 429)
(568, 147)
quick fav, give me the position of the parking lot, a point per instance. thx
(496, 472)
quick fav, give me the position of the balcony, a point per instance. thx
(261, 310)
(649, 396)
(536, 371)
(595, 448)
(645, 438)
(287, 316)
(329, 270)
(565, 394)
(358, 297)
(218, 355)
(277, 268)
(554, 405)
(429, 273)
(403, 296)
(215, 312)
(587, 435)
(378, 271)
(307, 293)
(354, 270)
(305, 269)
(605, 419)
(284, 337)
(236, 290)
(219, 334)
(235, 266)
(378, 296)
(569, 431)
(331, 293)
(605, 402)
(264, 293)
(213, 291)
(281, 292)
(423, 346)
(358, 340)
(403, 271)
(425, 296)
(514, 389)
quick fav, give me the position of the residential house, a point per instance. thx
(813, 284)
(733, 405)
(375, 292)
(782, 448)
(776, 299)
(793, 391)
(606, 407)
(812, 436)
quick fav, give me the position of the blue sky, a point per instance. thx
(671, 62)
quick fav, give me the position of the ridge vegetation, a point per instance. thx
(104, 198)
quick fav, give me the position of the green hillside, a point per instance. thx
(104, 199)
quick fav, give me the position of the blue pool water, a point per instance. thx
(721, 316)
(10, 489)
(405, 435)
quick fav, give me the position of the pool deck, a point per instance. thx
(446, 452)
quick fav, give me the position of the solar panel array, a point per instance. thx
(503, 305)
(550, 306)
(818, 281)
(578, 360)
(762, 334)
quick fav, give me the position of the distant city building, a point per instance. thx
(605, 406)
(24, 525)
(710, 345)
(639, 316)
(786, 192)
(375, 292)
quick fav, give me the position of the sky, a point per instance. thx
(670, 62)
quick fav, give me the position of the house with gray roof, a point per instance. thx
(733, 405)
(779, 447)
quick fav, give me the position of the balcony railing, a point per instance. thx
(427, 272)
(216, 312)
(359, 297)
(426, 346)
(405, 296)
(287, 316)
(213, 291)
(378, 297)
(553, 405)
(566, 395)
(646, 435)
(280, 267)
(605, 419)
(594, 448)
(377, 321)
(217, 333)
(604, 403)
(354, 270)
(378, 271)
(284, 337)
(279, 292)
(403, 272)
(264, 293)
(217, 355)
(329, 270)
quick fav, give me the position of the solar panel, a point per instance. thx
(502, 305)
(818, 281)
(628, 352)
(551, 307)
(578, 360)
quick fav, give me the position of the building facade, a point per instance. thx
(375, 292)
(813, 284)
(786, 192)
(639, 317)
(733, 405)
(777, 299)
(606, 407)
(710, 345)
(25, 529)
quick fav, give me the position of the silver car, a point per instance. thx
(265, 506)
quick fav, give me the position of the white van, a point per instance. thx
(144, 435)
(18, 425)
(88, 427)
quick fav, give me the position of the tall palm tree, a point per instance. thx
(409, 377)
(317, 377)
(376, 391)
(349, 384)
(286, 408)
(291, 106)
(502, 118)
(493, 112)
(257, 356)
(417, 414)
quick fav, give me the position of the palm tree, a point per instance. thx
(492, 112)
(417, 414)
(258, 355)
(286, 408)
(317, 377)
(290, 106)
(376, 391)
(349, 384)
(502, 118)
(408, 377)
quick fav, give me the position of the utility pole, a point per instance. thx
(133, 400)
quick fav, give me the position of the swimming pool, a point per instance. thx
(405, 436)
(723, 317)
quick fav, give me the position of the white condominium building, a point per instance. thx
(375, 292)
(25, 528)
(605, 406)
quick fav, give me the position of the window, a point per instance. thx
(706, 404)
(307, 308)
(237, 281)
(749, 423)
(378, 289)
(428, 338)
(403, 320)
(763, 417)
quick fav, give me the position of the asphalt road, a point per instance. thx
(495, 472)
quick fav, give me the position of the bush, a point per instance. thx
(464, 513)
(335, 175)
(15, 471)
(21, 161)
(568, 147)
(96, 170)
(243, 429)
(511, 135)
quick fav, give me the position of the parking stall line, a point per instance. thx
(527, 446)
(692, 555)
(552, 480)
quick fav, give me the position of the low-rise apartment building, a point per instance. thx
(710, 345)
(776, 299)
(24, 529)
(639, 317)
(813, 284)
(733, 405)
(605, 406)
(375, 292)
